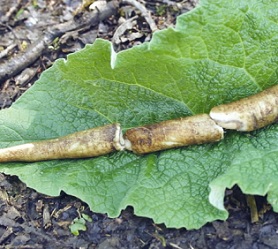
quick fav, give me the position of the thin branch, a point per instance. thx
(15, 65)
(6, 51)
(144, 11)
(13, 9)
(128, 24)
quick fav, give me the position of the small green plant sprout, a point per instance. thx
(79, 224)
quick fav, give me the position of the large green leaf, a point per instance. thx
(221, 51)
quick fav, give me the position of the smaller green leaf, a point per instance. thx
(86, 217)
(79, 224)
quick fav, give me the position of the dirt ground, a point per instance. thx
(31, 220)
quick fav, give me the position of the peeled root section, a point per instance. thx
(89, 143)
(249, 113)
(180, 132)
(103, 140)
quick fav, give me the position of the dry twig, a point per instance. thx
(15, 65)
(6, 51)
(144, 11)
(13, 9)
(128, 24)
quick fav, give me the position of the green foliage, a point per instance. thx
(79, 224)
(221, 51)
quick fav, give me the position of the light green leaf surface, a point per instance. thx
(78, 224)
(221, 51)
